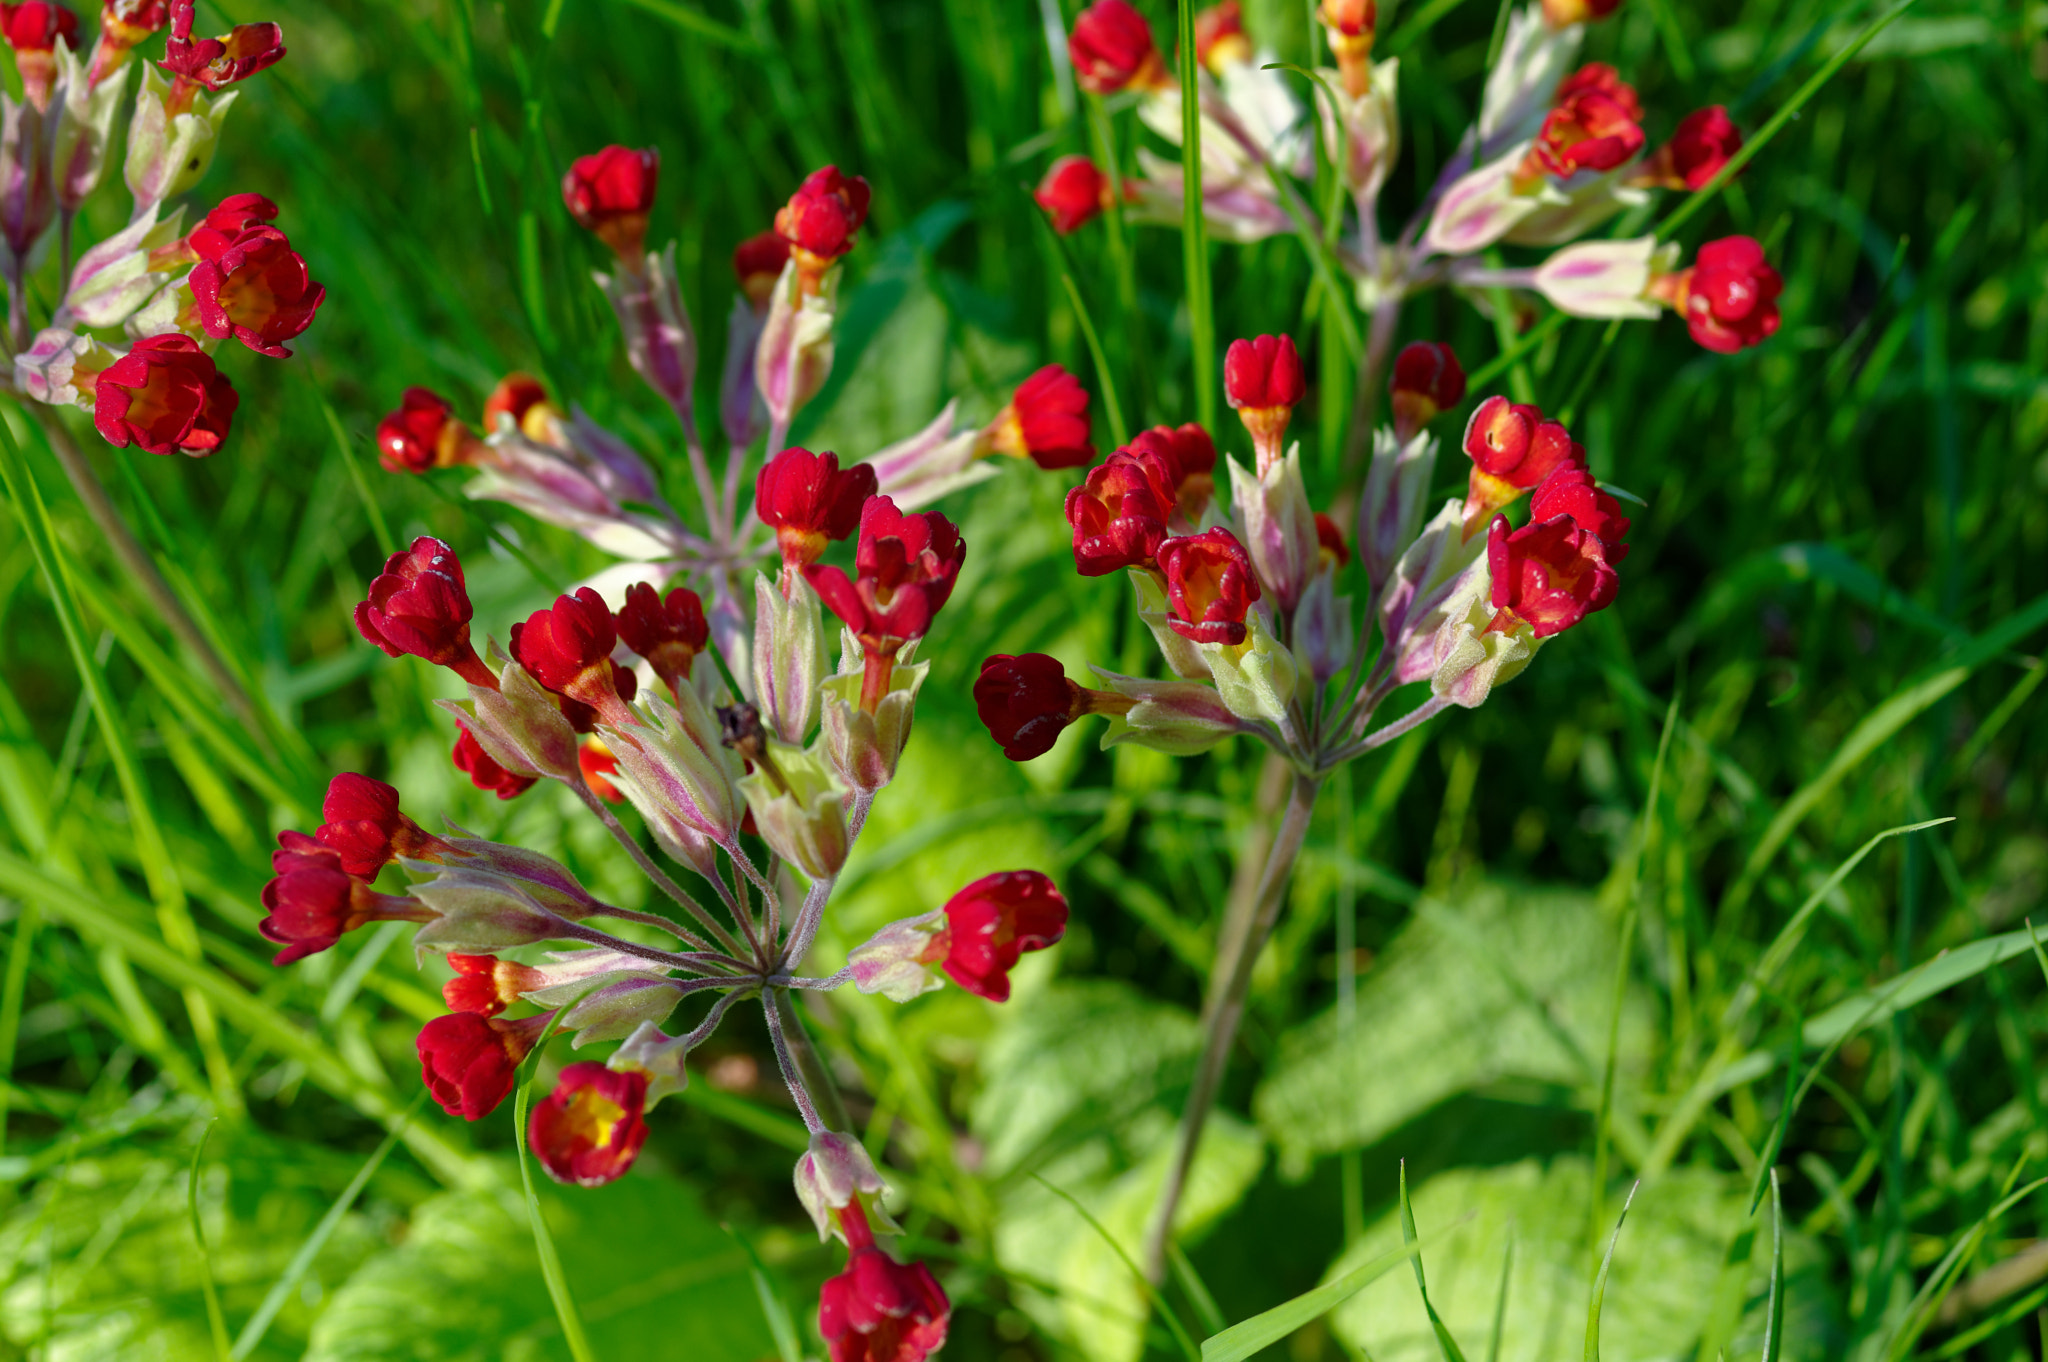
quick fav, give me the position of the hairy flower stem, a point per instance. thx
(1365, 399)
(143, 569)
(803, 1068)
(1223, 1012)
(662, 880)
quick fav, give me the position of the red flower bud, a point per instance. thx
(469, 1063)
(590, 1128)
(1220, 39)
(1571, 492)
(522, 397)
(1046, 421)
(483, 770)
(879, 1310)
(364, 825)
(1729, 296)
(1548, 575)
(808, 500)
(1210, 584)
(611, 193)
(668, 633)
(596, 762)
(758, 262)
(993, 921)
(419, 606)
(236, 214)
(1705, 141)
(1562, 13)
(1262, 378)
(1513, 449)
(568, 648)
(36, 26)
(165, 394)
(1112, 48)
(1073, 191)
(312, 902)
(1597, 77)
(820, 220)
(217, 63)
(1592, 126)
(422, 434)
(907, 565)
(257, 291)
(1119, 513)
(1351, 25)
(1427, 379)
(1330, 545)
(486, 985)
(1026, 702)
(1350, 18)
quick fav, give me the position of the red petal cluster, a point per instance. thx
(993, 921)
(1571, 492)
(165, 394)
(1548, 575)
(311, 900)
(236, 214)
(419, 606)
(758, 263)
(1264, 371)
(255, 286)
(486, 985)
(1119, 514)
(824, 214)
(596, 762)
(1730, 296)
(124, 23)
(590, 1128)
(1350, 18)
(1046, 421)
(1112, 47)
(1330, 545)
(568, 648)
(217, 63)
(1220, 37)
(483, 770)
(365, 826)
(1427, 379)
(1210, 584)
(1026, 702)
(518, 395)
(880, 1310)
(36, 26)
(422, 434)
(809, 501)
(1595, 124)
(907, 565)
(1705, 141)
(1073, 191)
(1560, 13)
(611, 193)
(668, 633)
(469, 1062)
(1512, 442)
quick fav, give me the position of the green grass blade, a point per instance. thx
(1506, 359)
(1207, 1313)
(1600, 1282)
(20, 952)
(1193, 228)
(295, 1271)
(1145, 1287)
(1994, 722)
(346, 448)
(1250, 1336)
(1446, 1345)
(1417, 24)
(1122, 268)
(2040, 956)
(216, 1322)
(691, 22)
(1500, 1301)
(773, 1308)
(1774, 1315)
(1113, 410)
(544, 1242)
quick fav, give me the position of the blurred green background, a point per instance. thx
(1829, 621)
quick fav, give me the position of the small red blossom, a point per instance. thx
(522, 397)
(1729, 295)
(907, 565)
(1220, 39)
(37, 26)
(1563, 13)
(1427, 380)
(1073, 192)
(366, 827)
(486, 985)
(1351, 26)
(216, 63)
(809, 501)
(423, 433)
(1548, 575)
(469, 1062)
(1597, 77)
(1349, 18)
(258, 291)
(820, 221)
(611, 193)
(1592, 126)
(590, 1129)
(1330, 545)
(669, 632)
(993, 921)
(483, 770)
(758, 263)
(1705, 141)
(419, 606)
(1571, 492)
(1262, 378)
(1026, 702)
(1210, 584)
(311, 901)
(218, 230)
(1119, 513)
(1194, 464)
(596, 762)
(1513, 449)
(123, 24)
(568, 648)
(1046, 421)
(879, 1310)
(1112, 49)
(165, 394)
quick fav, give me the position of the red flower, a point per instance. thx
(1571, 492)
(1427, 379)
(1193, 456)
(1119, 512)
(312, 902)
(217, 63)
(758, 262)
(1046, 421)
(596, 762)
(128, 22)
(1350, 18)
(483, 770)
(907, 565)
(1210, 584)
(422, 434)
(1730, 296)
(1592, 126)
(236, 214)
(1026, 702)
(820, 220)
(257, 291)
(589, 1130)
(364, 825)
(1112, 47)
(1220, 39)
(879, 1310)
(469, 1063)
(1073, 191)
(1548, 575)
(611, 193)
(808, 500)
(1562, 13)
(668, 633)
(486, 985)
(165, 394)
(568, 648)
(36, 26)
(1262, 378)
(419, 606)
(1513, 449)
(993, 921)
(519, 396)
(1705, 141)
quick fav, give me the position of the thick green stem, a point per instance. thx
(1225, 1010)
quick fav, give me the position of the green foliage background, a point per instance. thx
(1830, 620)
